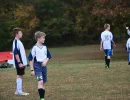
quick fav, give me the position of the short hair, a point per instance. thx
(16, 30)
(106, 26)
(39, 34)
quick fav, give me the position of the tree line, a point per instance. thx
(66, 22)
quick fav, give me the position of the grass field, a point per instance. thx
(75, 73)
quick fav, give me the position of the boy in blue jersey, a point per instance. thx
(20, 60)
(128, 50)
(38, 58)
(105, 44)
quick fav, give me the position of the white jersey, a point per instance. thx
(39, 52)
(128, 44)
(128, 31)
(106, 38)
(18, 48)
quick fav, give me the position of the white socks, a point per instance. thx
(19, 85)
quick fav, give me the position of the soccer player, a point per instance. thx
(20, 60)
(106, 44)
(128, 50)
(111, 43)
(38, 58)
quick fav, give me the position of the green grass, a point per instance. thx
(75, 73)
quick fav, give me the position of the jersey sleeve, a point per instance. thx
(114, 38)
(111, 36)
(32, 54)
(16, 48)
(48, 54)
(128, 44)
(128, 32)
(102, 38)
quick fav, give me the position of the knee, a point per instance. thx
(40, 84)
(19, 76)
(108, 57)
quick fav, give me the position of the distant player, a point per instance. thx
(128, 50)
(39, 57)
(111, 43)
(106, 44)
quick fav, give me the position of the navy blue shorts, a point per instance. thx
(108, 52)
(20, 71)
(40, 71)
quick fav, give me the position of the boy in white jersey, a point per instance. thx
(38, 58)
(20, 60)
(128, 50)
(105, 44)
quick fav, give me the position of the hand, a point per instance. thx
(32, 73)
(114, 45)
(44, 63)
(100, 48)
(127, 28)
(21, 65)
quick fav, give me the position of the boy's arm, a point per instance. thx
(112, 39)
(30, 58)
(45, 62)
(101, 45)
(31, 65)
(18, 60)
(16, 50)
(114, 44)
(47, 59)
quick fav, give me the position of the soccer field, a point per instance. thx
(75, 73)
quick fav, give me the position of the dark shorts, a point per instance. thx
(20, 71)
(108, 52)
(40, 71)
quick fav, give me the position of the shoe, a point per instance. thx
(128, 63)
(42, 99)
(106, 66)
(23, 93)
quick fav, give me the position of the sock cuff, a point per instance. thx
(19, 79)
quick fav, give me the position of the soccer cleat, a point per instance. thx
(106, 66)
(129, 63)
(23, 93)
(42, 99)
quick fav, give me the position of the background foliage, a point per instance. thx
(66, 22)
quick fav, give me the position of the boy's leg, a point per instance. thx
(109, 54)
(20, 73)
(42, 78)
(19, 84)
(108, 61)
(41, 90)
(105, 51)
